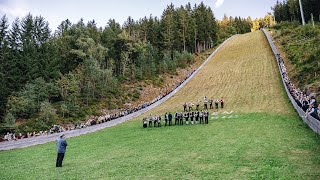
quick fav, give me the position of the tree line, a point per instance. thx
(289, 10)
(78, 69)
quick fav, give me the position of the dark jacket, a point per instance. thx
(61, 145)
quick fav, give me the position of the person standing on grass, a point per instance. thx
(170, 119)
(205, 102)
(166, 118)
(196, 116)
(201, 117)
(176, 118)
(197, 105)
(186, 116)
(144, 121)
(222, 102)
(150, 120)
(190, 105)
(159, 121)
(191, 117)
(217, 103)
(210, 102)
(155, 121)
(206, 117)
(61, 148)
(181, 118)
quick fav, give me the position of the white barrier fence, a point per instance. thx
(313, 123)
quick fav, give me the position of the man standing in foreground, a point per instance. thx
(61, 147)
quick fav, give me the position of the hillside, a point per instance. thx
(300, 49)
(264, 139)
(246, 77)
(66, 75)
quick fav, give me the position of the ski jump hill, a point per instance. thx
(247, 78)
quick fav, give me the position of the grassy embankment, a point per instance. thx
(299, 46)
(266, 141)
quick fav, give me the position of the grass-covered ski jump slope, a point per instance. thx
(264, 139)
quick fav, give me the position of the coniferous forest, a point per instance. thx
(50, 77)
(289, 10)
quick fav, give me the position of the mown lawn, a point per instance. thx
(257, 145)
(266, 141)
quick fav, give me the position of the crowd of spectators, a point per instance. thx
(95, 119)
(12, 136)
(304, 99)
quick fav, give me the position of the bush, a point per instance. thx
(21, 106)
(301, 44)
(287, 25)
(183, 59)
(48, 114)
(26, 101)
(136, 94)
(9, 121)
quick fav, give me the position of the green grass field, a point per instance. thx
(266, 141)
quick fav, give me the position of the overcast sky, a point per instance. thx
(56, 11)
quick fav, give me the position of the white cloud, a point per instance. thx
(14, 8)
(218, 3)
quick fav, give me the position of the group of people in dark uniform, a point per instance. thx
(197, 117)
(188, 116)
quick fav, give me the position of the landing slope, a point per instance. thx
(244, 72)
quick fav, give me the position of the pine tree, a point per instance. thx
(14, 63)
(192, 29)
(168, 27)
(182, 26)
(4, 53)
(41, 31)
(128, 25)
(9, 121)
(63, 27)
(15, 36)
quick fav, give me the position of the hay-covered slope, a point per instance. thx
(244, 72)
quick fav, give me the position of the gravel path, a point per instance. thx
(7, 145)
